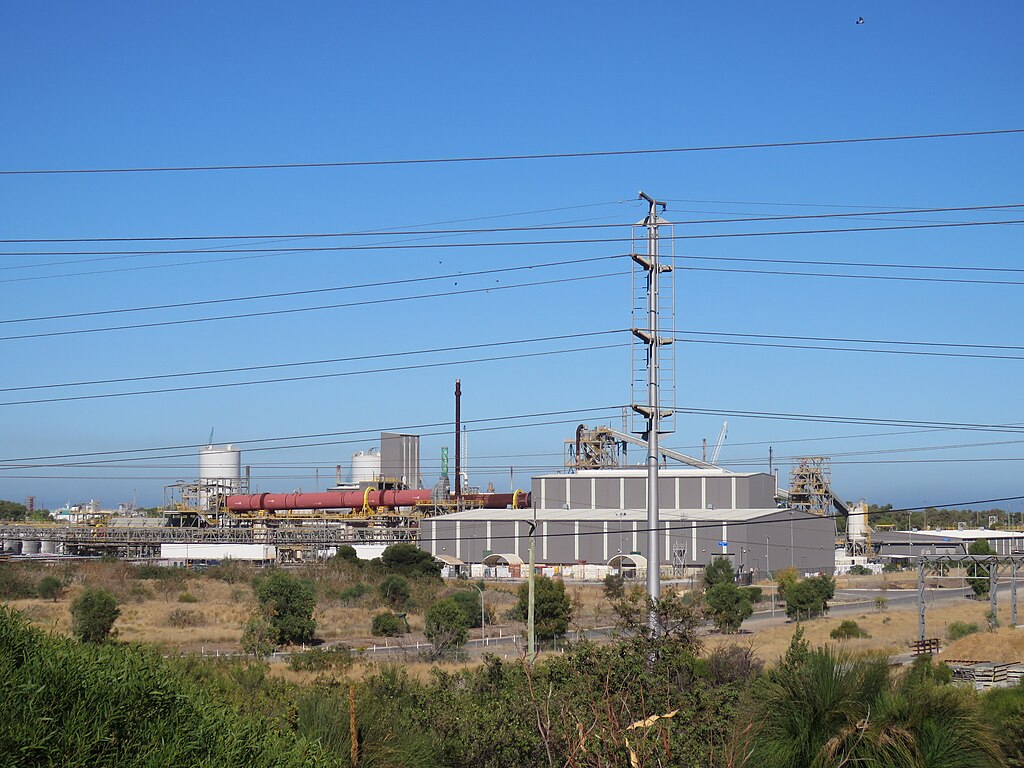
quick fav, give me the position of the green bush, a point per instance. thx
(49, 588)
(118, 706)
(14, 584)
(551, 605)
(719, 571)
(354, 593)
(959, 629)
(156, 572)
(187, 597)
(727, 605)
(288, 604)
(319, 659)
(394, 590)
(469, 602)
(754, 594)
(387, 625)
(859, 570)
(446, 626)
(847, 630)
(409, 560)
(93, 614)
(614, 586)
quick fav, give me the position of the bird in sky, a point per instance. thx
(860, 19)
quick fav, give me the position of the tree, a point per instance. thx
(12, 510)
(809, 597)
(288, 604)
(978, 574)
(387, 624)
(718, 571)
(410, 560)
(346, 553)
(614, 586)
(93, 614)
(728, 606)
(50, 588)
(469, 603)
(259, 638)
(446, 626)
(830, 708)
(552, 608)
(395, 590)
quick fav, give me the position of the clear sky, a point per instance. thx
(88, 85)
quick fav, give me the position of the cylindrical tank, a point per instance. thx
(857, 522)
(13, 546)
(47, 547)
(30, 547)
(220, 464)
(365, 466)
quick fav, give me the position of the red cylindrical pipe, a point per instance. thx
(279, 502)
(328, 500)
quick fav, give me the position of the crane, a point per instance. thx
(718, 444)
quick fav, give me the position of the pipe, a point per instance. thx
(280, 502)
(458, 440)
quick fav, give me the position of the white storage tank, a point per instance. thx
(48, 547)
(30, 547)
(366, 466)
(221, 465)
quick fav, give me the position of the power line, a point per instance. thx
(404, 231)
(503, 158)
(374, 431)
(315, 376)
(819, 347)
(313, 291)
(849, 276)
(319, 307)
(497, 243)
(272, 366)
(854, 340)
(783, 416)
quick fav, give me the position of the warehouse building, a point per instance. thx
(600, 516)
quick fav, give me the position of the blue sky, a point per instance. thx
(166, 84)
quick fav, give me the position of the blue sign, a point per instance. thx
(723, 543)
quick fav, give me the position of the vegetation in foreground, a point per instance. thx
(641, 701)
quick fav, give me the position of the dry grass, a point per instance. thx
(892, 632)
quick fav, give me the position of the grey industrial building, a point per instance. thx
(594, 516)
(904, 546)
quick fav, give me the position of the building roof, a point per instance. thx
(663, 471)
(611, 515)
(966, 535)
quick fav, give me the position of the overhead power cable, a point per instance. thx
(316, 376)
(314, 291)
(510, 157)
(319, 307)
(404, 231)
(371, 431)
(506, 243)
(820, 347)
(326, 361)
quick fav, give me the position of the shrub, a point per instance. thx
(614, 586)
(49, 588)
(847, 630)
(318, 659)
(354, 593)
(891, 568)
(347, 554)
(157, 572)
(395, 590)
(93, 614)
(469, 602)
(754, 594)
(410, 560)
(13, 584)
(187, 597)
(809, 597)
(183, 617)
(859, 570)
(959, 629)
(728, 606)
(259, 638)
(881, 603)
(719, 571)
(288, 604)
(387, 624)
(445, 626)
(551, 605)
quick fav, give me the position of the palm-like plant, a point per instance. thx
(834, 709)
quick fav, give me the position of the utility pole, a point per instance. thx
(652, 410)
(531, 641)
